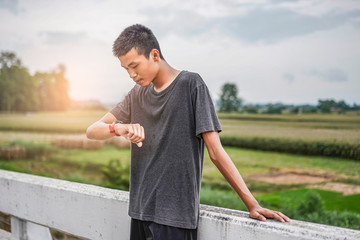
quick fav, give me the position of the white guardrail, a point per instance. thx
(36, 204)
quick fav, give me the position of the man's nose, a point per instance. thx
(133, 75)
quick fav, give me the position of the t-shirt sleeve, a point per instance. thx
(206, 119)
(122, 110)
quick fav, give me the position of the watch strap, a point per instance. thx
(112, 128)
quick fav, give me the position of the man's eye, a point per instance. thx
(135, 66)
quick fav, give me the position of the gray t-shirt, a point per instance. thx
(166, 171)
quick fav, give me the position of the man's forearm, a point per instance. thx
(227, 168)
(98, 131)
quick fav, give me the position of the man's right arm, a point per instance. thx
(100, 130)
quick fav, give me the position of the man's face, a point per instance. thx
(141, 70)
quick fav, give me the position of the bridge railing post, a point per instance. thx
(25, 230)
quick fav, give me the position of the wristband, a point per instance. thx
(112, 128)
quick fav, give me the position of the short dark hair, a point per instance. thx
(136, 36)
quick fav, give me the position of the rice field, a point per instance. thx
(343, 128)
(338, 131)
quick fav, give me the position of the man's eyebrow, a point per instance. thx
(131, 64)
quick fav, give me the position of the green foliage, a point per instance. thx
(29, 150)
(34, 149)
(250, 109)
(117, 175)
(21, 92)
(332, 201)
(58, 234)
(329, 105)
(53, 89)
(297, 146)
(75, 177)
(17, 87)
(350, 181)
(312, 209)
(229, 101)
(313, 203)
(11, 166)
(274, 109)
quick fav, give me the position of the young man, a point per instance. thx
(168, 116)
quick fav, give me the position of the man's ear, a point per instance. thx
(155, 55)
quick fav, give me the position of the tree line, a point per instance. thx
(48, 91)
(230, 102)
(21, 92)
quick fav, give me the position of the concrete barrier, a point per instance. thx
(91, 212)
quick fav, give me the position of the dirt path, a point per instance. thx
(346, 189)
(295, 176)
(316, 179)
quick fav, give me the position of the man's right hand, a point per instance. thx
(133, 132)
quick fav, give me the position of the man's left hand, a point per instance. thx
(261, 214)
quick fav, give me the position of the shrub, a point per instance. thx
(18, 149)
(296, 146)
(58, 234)
(117, 175)
(312, 209)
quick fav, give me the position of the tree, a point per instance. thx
(274, 109)
(330, 105)
(46, 90)
(17, 86)
(229, 101)
(251, 109)
(53, 89)
(343, 105)
(326, 105)
(19, 91)
(61, 85)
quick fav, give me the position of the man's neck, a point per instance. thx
(165, 77)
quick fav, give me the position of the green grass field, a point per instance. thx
(332, 200)
(326, 131)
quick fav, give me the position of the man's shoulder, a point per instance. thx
(190, 75)
(192, 78)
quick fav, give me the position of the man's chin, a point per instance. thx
(142, 83)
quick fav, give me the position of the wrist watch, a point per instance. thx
(112, 127)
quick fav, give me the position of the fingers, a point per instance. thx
(136, 134)
(279, 216)
(284, 217)
(258, 216)
(264, 213)
(276, 216)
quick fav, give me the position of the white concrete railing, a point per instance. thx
(36, 203)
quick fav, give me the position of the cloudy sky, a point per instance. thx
(275, 51)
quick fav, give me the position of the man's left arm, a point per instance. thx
(227, 168)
